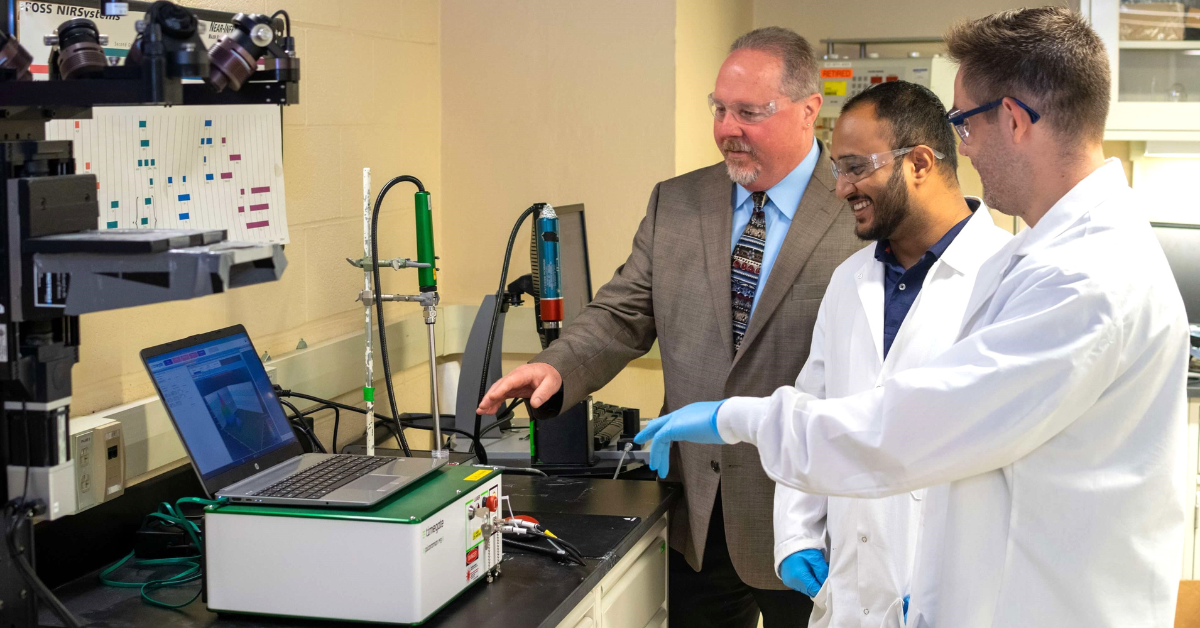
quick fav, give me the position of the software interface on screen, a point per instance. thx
(222, 402)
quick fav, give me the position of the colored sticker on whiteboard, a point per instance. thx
(482, 473)
(837, 73)
(835, 88)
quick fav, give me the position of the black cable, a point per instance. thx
(387, 368)
(283, 392)
(570, 549)
(287, 20)
(337, 418)
(507, 414)
(383, 420)
(312, 437)
(298, 421)
(28, 448)
(516, 470)
(491, 337)
(22, 509)
(541, 550)
(566, 544)
(19, 519)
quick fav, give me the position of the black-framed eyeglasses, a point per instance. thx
(959, 119)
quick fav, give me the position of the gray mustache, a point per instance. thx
(736, 144)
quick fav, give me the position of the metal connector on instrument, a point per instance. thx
(395, 264)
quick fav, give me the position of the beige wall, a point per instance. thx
(833, 19)
(370, 96)
(704, 29)
(561, 102)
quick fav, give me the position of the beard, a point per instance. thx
(1002, 174)
(741, 174)
(890, 208)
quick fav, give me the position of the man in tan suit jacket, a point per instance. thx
(678, 287)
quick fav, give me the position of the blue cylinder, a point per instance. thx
(549, 274)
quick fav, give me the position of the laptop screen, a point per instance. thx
(222, 402)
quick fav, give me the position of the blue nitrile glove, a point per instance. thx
(805, 571)
(695, 423)
(906, 609)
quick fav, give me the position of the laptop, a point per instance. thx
(224, 408)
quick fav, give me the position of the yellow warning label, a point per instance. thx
(478, 474)
(478, 533)
(835, 88)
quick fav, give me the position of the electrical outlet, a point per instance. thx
(99, 451)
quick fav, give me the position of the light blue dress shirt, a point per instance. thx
(782, 201)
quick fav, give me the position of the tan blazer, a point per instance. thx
(675, 287)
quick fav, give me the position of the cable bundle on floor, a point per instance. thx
(190, 566)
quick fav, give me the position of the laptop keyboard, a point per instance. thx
(322, 479)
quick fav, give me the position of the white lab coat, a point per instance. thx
(872, 542)
(1051, 434)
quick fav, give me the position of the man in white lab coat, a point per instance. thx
(889, 307)
(1052, 432)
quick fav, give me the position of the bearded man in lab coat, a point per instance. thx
(889, 307)
(1052, 433)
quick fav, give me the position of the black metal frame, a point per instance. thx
(41, 346)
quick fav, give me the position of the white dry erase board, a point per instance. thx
(200, 167)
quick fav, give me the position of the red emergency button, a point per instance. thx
(493, 503)
(875, 80)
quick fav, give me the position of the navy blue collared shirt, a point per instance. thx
(901, 287)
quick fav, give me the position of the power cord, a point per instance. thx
(389, 424)
(337, 419)
(298, 420)
(19, 515)
(192, 565)
(395, 423)
(287, 20)
(491, 337)
(387, 368)
(514, 527)
(504, 417)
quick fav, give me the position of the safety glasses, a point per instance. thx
(745, 113)
(855, 168)
(962, 124)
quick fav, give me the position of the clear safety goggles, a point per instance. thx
(745, 113)
(858, 167)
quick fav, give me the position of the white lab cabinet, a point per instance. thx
(634, 593)
(1155, 69)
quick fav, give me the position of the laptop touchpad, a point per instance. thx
(378, 482)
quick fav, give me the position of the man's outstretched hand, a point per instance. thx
(536, 382)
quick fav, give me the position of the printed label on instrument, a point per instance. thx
(837, 73)
(835, 88)
(480, 474)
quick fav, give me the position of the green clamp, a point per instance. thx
(368, 394)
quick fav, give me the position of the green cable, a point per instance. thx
(171, 515)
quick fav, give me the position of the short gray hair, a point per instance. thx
(799, 62)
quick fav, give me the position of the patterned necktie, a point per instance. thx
(747, 262)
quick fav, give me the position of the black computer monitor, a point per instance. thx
(1181, 243)
(573, 256)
